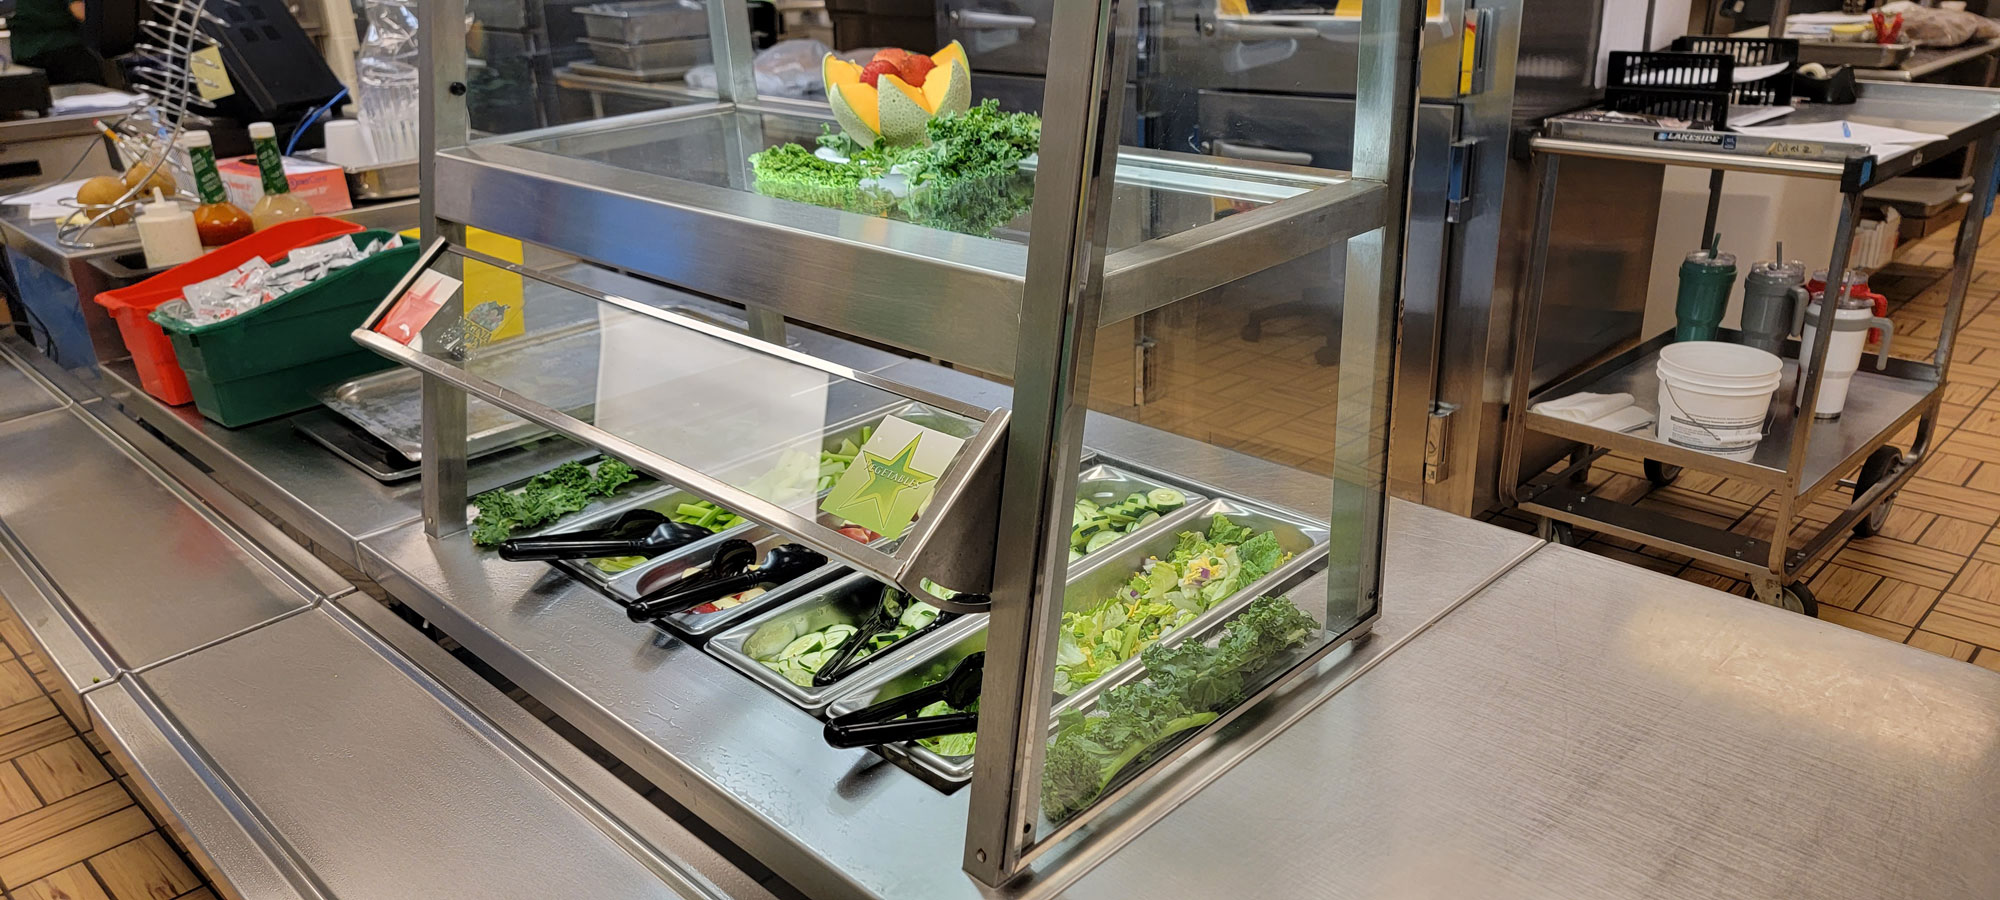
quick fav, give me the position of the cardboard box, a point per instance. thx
(321, 185)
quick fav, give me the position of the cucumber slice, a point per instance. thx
(1101, 540)
(1149, 518)
(1166, 498)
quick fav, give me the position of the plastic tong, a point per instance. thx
(883, 723)
(728, 572)
(887, 613)
(638, 532)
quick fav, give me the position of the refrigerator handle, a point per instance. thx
(1257, 154)
(981, 20)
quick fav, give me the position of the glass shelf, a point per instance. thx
(608, 190)
(727, 418)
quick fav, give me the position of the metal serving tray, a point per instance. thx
(388, 405)
(638, 23)
(633, 493)
(1098, 579)
(946, 773)
(1105, 482)
(654, 56)
(845, 600)
(624, 586)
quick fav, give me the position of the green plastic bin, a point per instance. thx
(269, 361)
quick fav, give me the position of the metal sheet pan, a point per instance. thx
(1105, 483)
(946, 773)
(387, 404)
(652, 56)
(846, 600)
(635, 23)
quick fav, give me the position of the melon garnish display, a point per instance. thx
(892, 98)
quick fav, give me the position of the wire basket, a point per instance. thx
(1691, 86)
(1775, 90)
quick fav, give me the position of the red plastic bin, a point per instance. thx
(152, 351)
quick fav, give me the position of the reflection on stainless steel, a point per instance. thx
(311, 719)
(183, 579)
(1620, 695)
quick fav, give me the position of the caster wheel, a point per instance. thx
(1327, 356)
(1580, 475)
(1799, 599)
(1661, 474)
(1563, 533)
(1879, 465)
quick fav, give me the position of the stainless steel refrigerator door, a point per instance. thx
(1023, 93)
(1292, 55)
(1009, 36)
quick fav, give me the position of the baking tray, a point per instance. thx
(388, 404)
(651, 20)
(653, 56)
(848, 599)
(1859, 54)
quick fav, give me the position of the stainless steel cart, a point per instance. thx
(1799, 458)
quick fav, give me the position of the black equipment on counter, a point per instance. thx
(729, 572)
(639, 532)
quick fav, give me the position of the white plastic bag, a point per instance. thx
(785, 69)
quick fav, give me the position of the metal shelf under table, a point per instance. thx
(1878, 403)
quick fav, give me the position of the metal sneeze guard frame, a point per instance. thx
(1067, 290)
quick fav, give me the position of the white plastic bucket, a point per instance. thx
(1714, 396)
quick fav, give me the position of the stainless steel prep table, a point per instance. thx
(34, 151)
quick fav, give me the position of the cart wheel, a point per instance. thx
(1563, 533)
(1661, 474)
(1580, 475)
(1799, 599)
(1879, 465)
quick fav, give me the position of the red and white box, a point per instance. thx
(322, 186)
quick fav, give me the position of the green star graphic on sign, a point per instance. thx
(888, 478)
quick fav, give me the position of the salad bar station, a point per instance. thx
(765, 540)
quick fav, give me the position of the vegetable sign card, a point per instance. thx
(893, 477)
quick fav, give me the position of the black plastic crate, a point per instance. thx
(1691, 86)
(1773, 91)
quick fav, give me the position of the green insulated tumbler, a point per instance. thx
(1706, 280)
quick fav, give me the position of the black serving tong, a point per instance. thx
(638, 532)
(883, 723)
(724, 577)
(888, 610)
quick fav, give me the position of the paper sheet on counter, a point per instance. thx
(45, 203)
(1884, 140)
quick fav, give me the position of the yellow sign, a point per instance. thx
(211, 79)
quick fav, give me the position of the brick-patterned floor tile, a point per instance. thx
(63, 770)
(145, 869)
(1844, 587)
(73, 883)
(1943, 646)
(1881, 628)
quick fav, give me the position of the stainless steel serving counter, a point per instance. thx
(1525, 721)
(1586, 729)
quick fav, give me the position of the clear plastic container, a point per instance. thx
(387, 70)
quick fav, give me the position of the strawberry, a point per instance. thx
(914, 68)
(872, 73)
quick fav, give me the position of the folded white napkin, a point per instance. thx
(1611, 412)
(1584, 407)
